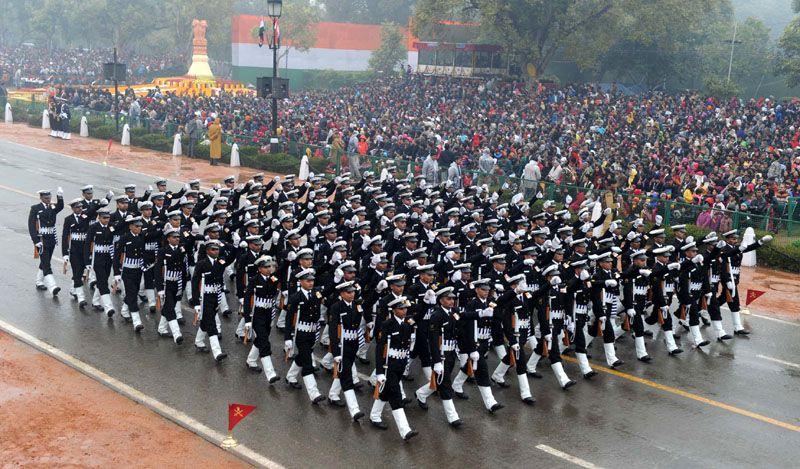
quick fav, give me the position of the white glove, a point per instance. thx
(730, 285)
(310, 176)
(489, 251)
(438, 368)
(161, 295)
(338, 274)
(567, 199)
(499, 287)
(611, 283)
(555, 281)
(631, 312)
(607, 211)
(337, 359)
(674, 266)
(243, 244)
(584, 275)
(486, 313)
(380, 378)
(118, 278)
(721, 244)
(335, 257)
(539, 195)
(765, 239)
(645, 272)
(529, 261)
(287, 346)
(291, 256)
(381, 286)
(430, 297)
(586, 227)
(613, 226)
(150, 188)
(659, 219)
(456, 276)
(413, 264)
(474, 356)
(549, 245)
(309, 217)
(498, 235)
(630, 235)
(276, 178)
(616, 249)
(567, 216)
(59, 192)
(689, 239)
(110, 195)
(241, 301)
(515, 347)
(698, 259)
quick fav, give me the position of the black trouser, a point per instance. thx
(608, 330)
(482, 371)
(637, 323)
(498, 338)
(555, 346)
(208, 323)
(149, 277)
(445, 388)
(78, 267)
(171, 296)
(262, 319)
(580, 338)
(45, 255)
(304, 342)
(131, 278)
(520, 357)
(391, 387)
(346, 366)
(694, 312)
(733, 302)
(102, 270)
(421, 346)
(713, 306)
(661, 315)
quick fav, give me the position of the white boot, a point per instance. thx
(611, 355)
(500, 350)
(96, 302)
(500, 372)
(450, 413)
(223, 303)
(324, 338)
(618, 330)
(641, 350)
(219, 323)
(458, 383)
(327, 361)
(252, 358)
(240, 329)
(532, 362)
(151, 299)
(72, 293)
(294, 373)
(377, 410)
(424, 392)
(583, 362)
(178, 310)
(39, 279)
(669, 340)
(697, 336)
(721, 334)
(50, 283)
(488, 399)
(216, 349)
(354, 374)
(336, 389)
(137, 321)
(738, 327)
(281, 322)
(427, 371)
(108, 306)
(525, 389)
(163, 327)
(176, 331)
(124, 311)
(352, 405)
(561, 376)
(200, 339)
(402, 424)
(311, 388)
(269, 369)
(81, 297)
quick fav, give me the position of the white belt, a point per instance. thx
(694, 286)
(47, 230)
(397, 354)
(534, 287)
(735, 270)
(427, 316)
(448, 345)
(307, 327)
(523, 324)
(172, 275)
(557, 314)
(263, 302)
(581, 309)
(77, 236)
(669, 287)
(610, 297)
(212, 288)
(151, 246)
(116, 239)
(642, 291)
(484, 333)
(102, 248)
(129, 263)
(348, 334)
(714, 279)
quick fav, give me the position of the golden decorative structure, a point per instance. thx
(229, 442)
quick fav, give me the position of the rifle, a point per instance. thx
(36, 252)
(198, 316)
(512, 355)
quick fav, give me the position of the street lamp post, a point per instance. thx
(274, 8)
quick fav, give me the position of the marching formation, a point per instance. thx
(389, 272)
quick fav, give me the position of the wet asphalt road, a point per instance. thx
(608, 421)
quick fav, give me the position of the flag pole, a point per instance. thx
(229, 442)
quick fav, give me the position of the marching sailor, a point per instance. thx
(258, 308)
(732, 253)
(302, 320)
(345, 336)
(42, 228)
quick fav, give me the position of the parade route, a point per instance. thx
(732, 405)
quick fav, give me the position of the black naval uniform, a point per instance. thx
(42, 228)
(302, 322)
(343, 329)
(171, 277)
(258, 309)
(391, 357)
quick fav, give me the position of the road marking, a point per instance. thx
(777, 360)
(26, 194)
(566, 457)
(180, 418)
(689, 395)
(771, 319)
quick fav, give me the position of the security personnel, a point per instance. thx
(555, 312)
(663, 287)
(301, 333)
(605, 299)
(690, 290)
(636, 293)
(73, 238)
(207, 287)
(42, 229)
(391, 357)
(423, 295)
(98, 254)
(259, 302)
(245, 270)
(345, 337)
(732, 254)
(579, 298)
(171, 272)
(152, 234)
(128, 267)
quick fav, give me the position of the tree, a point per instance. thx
(392, 51)
(788, 60)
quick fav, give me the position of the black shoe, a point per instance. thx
(588, 355)
(110, 312)
(97, 307)
(74, 296)
(138, 328)
(254, 368)
(461, 395)
(179, 340)
(568, 385)
(335, 403)
(165, 334)
(226, 313)
(676, 351)
(55, 291)
(456, 423)
(703, 343)
(617, 363)
(496, 407)
(676, 336)
(410, 435)
(379, 425)
(82, 305)
(318, 399)
(408, 378)
(470, 379)
(221, 356)
(294, 385)
(648, 333)
(274, 379)
(152, 310)
(422, 405)
(706, 322)
(181, 321)
(529, 401)
(502, 384)
(645, 359)
(590, 375)
(363, 361)
(357, 386)
(201, 348)
(406, 401)
(41, 287)
(238, 337)
(535, 374)
(685, 327)
(724, 338)
(741, 332)
(91, 285)
(359, 415)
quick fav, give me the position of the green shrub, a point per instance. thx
(103, 132)
(157, 142)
